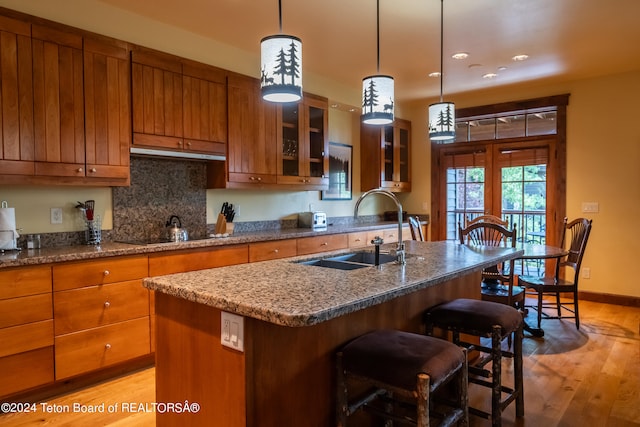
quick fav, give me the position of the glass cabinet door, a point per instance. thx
(304, 158)
(290, 140)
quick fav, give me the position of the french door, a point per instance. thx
(510, 180)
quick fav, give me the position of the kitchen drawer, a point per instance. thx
(97, 348)
(358, 240)
(97, 272)
(101, 305)
(18, 339)
(23, 281)
(311, 245)
(389, 235)
(18, 311)
(26, 370)
(197, 259)
(264, 251)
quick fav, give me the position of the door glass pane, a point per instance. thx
(524, 203)
(465, 196)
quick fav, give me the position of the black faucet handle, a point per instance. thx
(377, 241)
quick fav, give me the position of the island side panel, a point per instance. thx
(192, 365)
(291, 371)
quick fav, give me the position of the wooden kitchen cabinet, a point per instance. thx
(197, 259)
(58, 103)
(389, 147)
(330, 242)
(102, 314)
(16, 99)
(251, 149)
(303, 145)
(178, 105)
(107, 108)
(156, 83)
(264, 251)
(26, 329)
(65, 106)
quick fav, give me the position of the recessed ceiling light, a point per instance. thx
(335, 105)
(520, 57)
(502, 68)
(435, 74)
(460, 55)
(489, 75)
(475, 65)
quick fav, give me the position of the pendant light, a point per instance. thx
(281, 74)
(377, 90)
(442, 115)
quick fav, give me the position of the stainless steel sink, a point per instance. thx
(350, 261)
(364, 258)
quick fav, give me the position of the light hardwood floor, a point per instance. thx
(589, 377)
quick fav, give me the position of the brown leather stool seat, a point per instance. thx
(401, 367)
(491, 320)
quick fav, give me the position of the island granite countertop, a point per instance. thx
(288, 293)
(107, 249)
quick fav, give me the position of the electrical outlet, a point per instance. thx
(56, 215)
(232, 331)
(586, 273)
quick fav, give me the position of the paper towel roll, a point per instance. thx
(8, 232)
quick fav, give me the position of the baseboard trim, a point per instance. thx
(610, 298)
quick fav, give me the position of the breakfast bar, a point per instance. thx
(294, 318)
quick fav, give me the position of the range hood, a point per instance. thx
(176, 154)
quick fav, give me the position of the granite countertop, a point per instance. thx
(288, 293)
(82, 252)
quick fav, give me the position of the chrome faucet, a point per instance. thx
(400, 254)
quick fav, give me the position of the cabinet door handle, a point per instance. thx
(93, 170)
(180, 143)
(324, 244)
(80, 170)
(107, 304)
(188, 144)
(106, 272)
(107, 346)
(276, 251)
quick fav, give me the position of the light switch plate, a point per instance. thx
(590, 207)
(232, 331)
(56, 215)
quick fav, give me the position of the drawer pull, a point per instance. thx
(107, 304)
(276, 251)
(107, 346)
(324, 243)
(93, 170)
(357, 240)
(107, 272)
(80, 170)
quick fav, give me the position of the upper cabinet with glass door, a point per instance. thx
(390, 148)
(303, 160)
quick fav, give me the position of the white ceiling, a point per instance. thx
(565, 39)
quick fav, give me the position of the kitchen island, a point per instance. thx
(295, 317)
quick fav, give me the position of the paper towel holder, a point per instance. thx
(4, 245)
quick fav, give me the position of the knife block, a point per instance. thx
(221, 224)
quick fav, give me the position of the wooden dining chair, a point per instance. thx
(416, 228)
(497, 281)
(492, 219)
(575, 234)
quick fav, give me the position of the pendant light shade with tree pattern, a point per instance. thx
(442, 115)
(377, 90)
(281, 70)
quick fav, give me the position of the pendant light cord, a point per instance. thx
(280, 14)
(378, 35)
(441, 45)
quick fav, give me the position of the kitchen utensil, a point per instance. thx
(176, 232)
(89, 206)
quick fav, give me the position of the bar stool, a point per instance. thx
(402, 369)
(490, 320)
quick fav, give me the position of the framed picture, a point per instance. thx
(340, 172)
